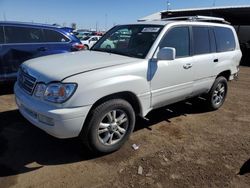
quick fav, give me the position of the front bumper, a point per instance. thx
(58, 122)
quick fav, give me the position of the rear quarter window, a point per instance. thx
(1, 35)
(54, 36)
(224, 39)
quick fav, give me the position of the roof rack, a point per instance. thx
(198, 18)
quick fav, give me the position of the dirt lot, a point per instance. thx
(181, 145)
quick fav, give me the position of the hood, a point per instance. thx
(57, 67)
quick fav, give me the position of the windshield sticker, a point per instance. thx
(150, 29)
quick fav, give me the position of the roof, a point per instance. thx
(207, 8)
(33, 24)
(155, 16)
(237, 15)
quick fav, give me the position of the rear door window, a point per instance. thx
(15, 34)
(179, 39)
(224, 39)
(1, 35)
(54, 36)
(201, 40)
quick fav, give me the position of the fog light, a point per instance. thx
(45, 119)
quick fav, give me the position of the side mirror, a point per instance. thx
(166, 53)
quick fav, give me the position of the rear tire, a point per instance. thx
(86, 47)
(217, 94)
(109, 126)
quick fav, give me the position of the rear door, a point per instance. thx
(204, 49)
(21, 44)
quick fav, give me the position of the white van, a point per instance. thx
(96, 94)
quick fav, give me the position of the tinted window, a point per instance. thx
(201, 40)
(177, 38)
(224, 39)
(54, 36)
(22, 35)
(1, 35)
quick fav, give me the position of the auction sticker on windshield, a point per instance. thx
(150, 29)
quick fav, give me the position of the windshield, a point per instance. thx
(86, 38)
(129, 40)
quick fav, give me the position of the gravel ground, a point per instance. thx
(181, 145)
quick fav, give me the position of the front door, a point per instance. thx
(172, 81)
(21, 44)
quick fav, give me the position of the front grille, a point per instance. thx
(26, 81)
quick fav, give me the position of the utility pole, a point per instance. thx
(214, 1)
(4, 16)
(106, 21)
(96, 26)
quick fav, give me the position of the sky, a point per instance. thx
(102, 14)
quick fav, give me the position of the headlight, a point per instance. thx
(55, 92)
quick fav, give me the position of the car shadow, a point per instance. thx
(245, 169)
(6, 88)
(25, 148)
(191, 106)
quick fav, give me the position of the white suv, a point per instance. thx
(95, 95)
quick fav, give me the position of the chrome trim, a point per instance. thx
(26, 81)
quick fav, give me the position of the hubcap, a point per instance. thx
(219, 94)
(113, 127)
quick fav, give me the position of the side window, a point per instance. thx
(1, 35)
(201, 40)
(54, 36)
(15, 34)
(224, 39)
(177, 38)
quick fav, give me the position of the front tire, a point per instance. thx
(109, 126)
(217, 94)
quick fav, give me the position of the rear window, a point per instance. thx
(54, 36)
(201, 40)
(224, 39)
(1, 35)
(15, 34)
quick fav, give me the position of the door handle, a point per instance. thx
(42, 49)
(216, 60)
(187, 66)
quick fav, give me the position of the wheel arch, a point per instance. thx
(130, 97)
(226, 74)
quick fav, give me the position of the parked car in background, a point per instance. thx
(89, 41)
(22, 41)
(82, 34)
